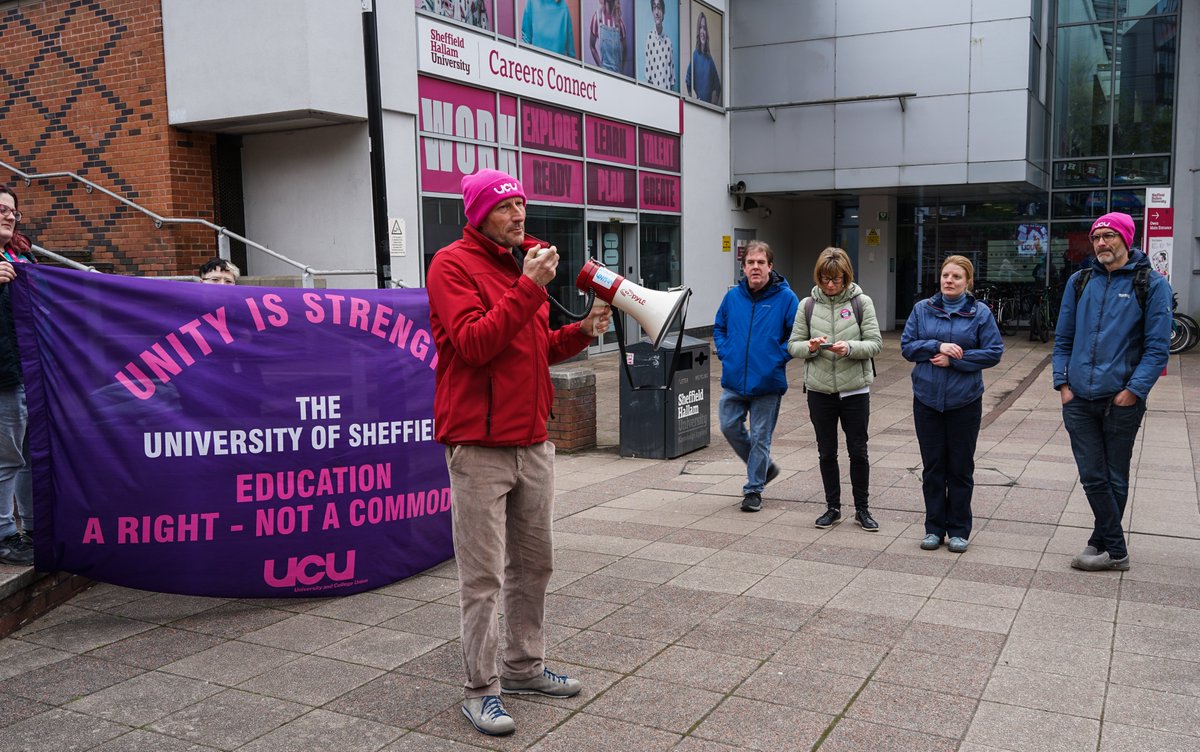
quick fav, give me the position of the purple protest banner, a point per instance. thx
(230, 440)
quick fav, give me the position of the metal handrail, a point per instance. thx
(223, 233)
(64, 260)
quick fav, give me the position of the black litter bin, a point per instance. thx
(665, 423)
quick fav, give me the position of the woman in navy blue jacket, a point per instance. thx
(951, 338)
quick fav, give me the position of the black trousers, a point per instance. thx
(854, 413)
(947, 442)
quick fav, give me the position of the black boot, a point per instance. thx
(863, 517)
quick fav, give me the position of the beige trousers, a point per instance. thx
(502, 513)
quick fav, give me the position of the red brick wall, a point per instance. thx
(83, 89)
(572, 423)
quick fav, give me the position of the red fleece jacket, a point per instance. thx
(491, 325)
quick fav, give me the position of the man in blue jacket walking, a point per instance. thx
(751, 333)
(1111, 345)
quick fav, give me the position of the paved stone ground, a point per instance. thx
(699, 628)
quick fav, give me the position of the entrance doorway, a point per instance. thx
(614, 244)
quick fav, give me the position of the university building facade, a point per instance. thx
(335, 132)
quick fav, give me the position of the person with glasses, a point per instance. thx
(837, 334)
(16, 490)
(950, 338)
(660, 50)
(1111, 344)
(218, 271)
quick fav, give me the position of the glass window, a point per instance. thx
(1075, 11)
(442, 220)
(1145, 85)
(660, 251)
(1132, 202)
(1035, 68)
(1142, 170)
(562, 227)
(1083, 87)
(1079, 204)
(1126, 8)
(1079, 173)
(1070, 249)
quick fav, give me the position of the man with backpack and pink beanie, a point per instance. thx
(1110, 346)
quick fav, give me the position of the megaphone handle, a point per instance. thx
(587, 307)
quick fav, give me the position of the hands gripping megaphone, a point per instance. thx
(654, 310)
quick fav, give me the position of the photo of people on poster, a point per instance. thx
(702, 63)
(553, 25)
(657, 43)
(608, 35)
(478, 13)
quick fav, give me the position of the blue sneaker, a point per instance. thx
(488, 716)
(957, 545)
(931, 542)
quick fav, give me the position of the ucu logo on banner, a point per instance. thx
(309, 570)
(504, 188)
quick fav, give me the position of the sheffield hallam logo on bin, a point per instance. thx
(688, 403)
(309, 570)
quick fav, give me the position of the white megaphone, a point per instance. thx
(652, 309)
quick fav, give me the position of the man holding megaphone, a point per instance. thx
(490, 316)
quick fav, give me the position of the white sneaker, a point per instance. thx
(488, 716)
(549, 684)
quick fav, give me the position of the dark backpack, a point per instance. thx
(1141, 285)
(855, 304)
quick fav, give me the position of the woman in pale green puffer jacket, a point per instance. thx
(837, 335)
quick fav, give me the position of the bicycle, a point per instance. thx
(1041, 319)
(1185, 332)
(1006, 310)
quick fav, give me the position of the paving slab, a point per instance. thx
(696, 627)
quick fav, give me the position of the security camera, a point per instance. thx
(737, 188)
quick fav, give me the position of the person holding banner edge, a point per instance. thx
(490, 316)
(16, 490)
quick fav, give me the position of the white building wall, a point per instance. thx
(968, 123)
(232, 60)
(708, 212)
(308, 197)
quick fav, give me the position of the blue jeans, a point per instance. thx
(754, 447)
(947, 440)
(14, 465)
(1102, 436)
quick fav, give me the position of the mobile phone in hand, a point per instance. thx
(825, 345)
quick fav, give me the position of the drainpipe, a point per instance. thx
(379, 203)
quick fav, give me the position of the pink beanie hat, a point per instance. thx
(486, 188)
(1120, 223)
